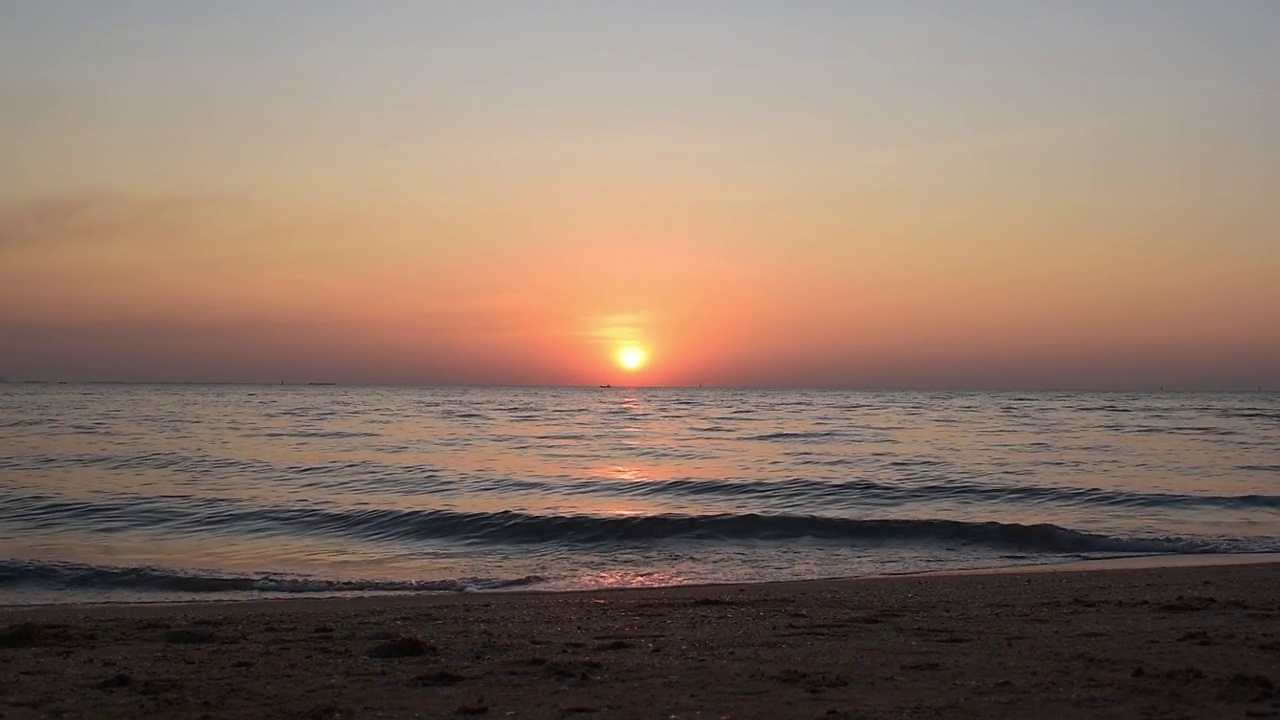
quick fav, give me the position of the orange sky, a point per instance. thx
(1055, 198)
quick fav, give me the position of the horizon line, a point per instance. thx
(836, 388)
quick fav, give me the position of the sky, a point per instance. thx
(929, 194)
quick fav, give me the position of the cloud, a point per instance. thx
(24, 103)
(622, 328)
(89, 219)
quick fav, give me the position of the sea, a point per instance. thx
(137, 493)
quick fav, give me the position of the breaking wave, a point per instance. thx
(208, 515)
(17, 573)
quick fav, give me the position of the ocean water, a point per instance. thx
(133, 492)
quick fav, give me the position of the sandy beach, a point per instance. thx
(1174, 642)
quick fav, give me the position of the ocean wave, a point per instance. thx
(314, 434)
(1193, 430)
(862, 493)
(203, 516)
(906, 485)
(797, 436)
(62, 575)
(26, 422)
(1253, 413)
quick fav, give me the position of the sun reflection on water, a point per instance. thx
(619, 472)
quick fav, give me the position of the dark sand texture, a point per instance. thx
(1192, 642)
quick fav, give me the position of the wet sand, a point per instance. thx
(1176, 642)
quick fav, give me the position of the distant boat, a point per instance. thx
(606, 386)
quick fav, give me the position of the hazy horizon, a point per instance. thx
(999, 195)
(761, 388)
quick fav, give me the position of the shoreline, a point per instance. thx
(1137, 562)
(1198, 641)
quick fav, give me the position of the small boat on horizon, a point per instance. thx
(606, 386)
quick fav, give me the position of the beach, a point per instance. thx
(661, 360)
(1162, 642)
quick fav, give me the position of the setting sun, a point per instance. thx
(632, 357)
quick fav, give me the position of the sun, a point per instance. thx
(632, 357)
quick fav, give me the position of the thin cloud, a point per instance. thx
(97, 218)
(622, 328)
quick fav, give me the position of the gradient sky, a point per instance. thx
(860, 194)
